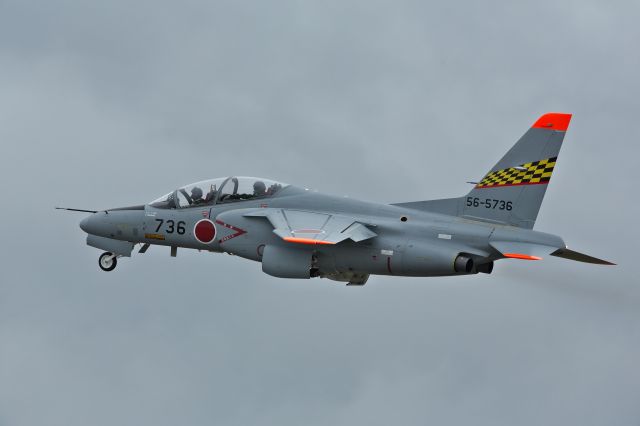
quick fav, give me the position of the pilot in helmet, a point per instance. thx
(196, 196)
(259, 188)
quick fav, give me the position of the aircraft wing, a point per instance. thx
(298, 226)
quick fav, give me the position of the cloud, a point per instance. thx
(115, 104)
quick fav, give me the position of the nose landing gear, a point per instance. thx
(107, 261)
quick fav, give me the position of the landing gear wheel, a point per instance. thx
(107, 261)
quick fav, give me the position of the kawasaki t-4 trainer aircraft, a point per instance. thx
(297, 233)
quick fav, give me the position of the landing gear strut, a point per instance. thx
(107, 261)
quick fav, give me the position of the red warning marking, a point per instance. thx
(204, 231)
(233, 228)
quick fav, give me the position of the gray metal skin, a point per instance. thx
(420, 239)
(411, 247)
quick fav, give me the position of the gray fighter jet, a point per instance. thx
(298, 233)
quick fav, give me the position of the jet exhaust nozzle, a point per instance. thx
(463, 264)
(485, 268)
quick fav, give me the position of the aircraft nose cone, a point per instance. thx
(86, 224)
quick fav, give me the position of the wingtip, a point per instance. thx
(553, 121)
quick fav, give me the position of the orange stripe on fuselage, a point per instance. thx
(521, 256)
(306, 240)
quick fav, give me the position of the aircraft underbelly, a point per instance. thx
(361, 259)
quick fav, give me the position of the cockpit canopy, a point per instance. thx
(218, 191)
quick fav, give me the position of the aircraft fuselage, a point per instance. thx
(408, 242)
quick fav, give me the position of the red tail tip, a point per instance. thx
(553, 121)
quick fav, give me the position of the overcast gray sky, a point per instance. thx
(104, 104)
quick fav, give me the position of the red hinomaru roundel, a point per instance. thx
(205, 231)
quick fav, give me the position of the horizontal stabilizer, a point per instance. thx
(580, 257)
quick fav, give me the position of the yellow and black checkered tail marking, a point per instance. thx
(533, 173)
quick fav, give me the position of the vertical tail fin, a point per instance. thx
(512, 191)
